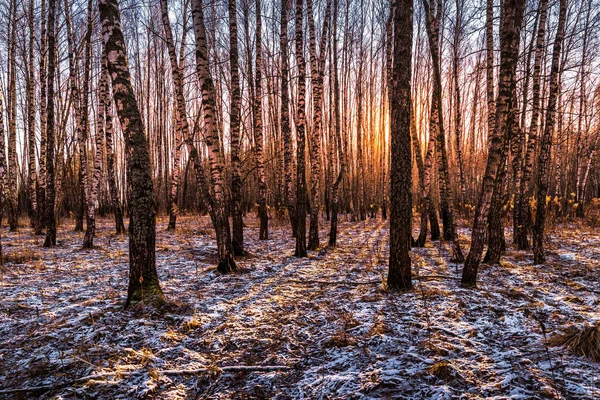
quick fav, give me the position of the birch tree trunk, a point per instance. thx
(524, 213)
(43, 122)
(335, 188)
(50, 222)
(178, 87)
(13, 206)
(236, 99)
(546, 144)
(432, 24)
(92, 186)
(220, 219)
(2, 166)
(317, 65)
(258, 133)
(489, 66)
(143, 278)
(286, 131)
(457, 99)
(300, 137)
(110, 150)
(399, 275)
(31, 135)
(509, 45)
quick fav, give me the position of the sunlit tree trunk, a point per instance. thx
(509, 45)
(50, 222)
(518, 142)
(110, 150)
(546, 143)
(12, 190)
(335, 188)
(317, 66)
(43, 122)
(433, 13)
(178, 87)
(300, 137)
(425, 169)
(91, 187)
(496, 242)
(2, 165)
(360, 173)
(399, 275)
(143, 278)
(258, 133)
(489, 66)
(236, 99)
(583, 79)
(220, 219)
(457, 98)
(286, 131)
(31, 135)
(524, 214)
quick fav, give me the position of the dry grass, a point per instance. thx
(341, 339)
(444, 371)
(583, 341)
(22, 256)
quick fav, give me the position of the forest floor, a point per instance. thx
(327, 317)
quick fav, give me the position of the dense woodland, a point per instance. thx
(392, 156)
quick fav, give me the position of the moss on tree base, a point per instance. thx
(147, 293)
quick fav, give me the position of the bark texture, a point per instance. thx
(399, 275)
(50, 220)
(236, 99)
(300, 137)
(143, 277)
(258, 133)
(510, 31)
(546, 143)
(524, 212)
(219, 213)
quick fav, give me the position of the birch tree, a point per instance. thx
(509, 44)
(546, 143)
(143, 277)
(399, 275)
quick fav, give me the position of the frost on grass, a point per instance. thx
(61, 320)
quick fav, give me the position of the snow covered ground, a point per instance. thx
(327, 317)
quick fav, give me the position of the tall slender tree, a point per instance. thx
(50, 222)
(43, 121)
(433, 16)
(300, 137)
(509, 45)
(13, 206)
(143, 277)
(258, 132)
(219, 214)
(546, 143)
(524, 214)
(286, 131)
(399, 275)
(178, 86)
(92, 184)
(337, 131)
(31, 134)
(317, 66)
(2, 165)
(110, 150)
(235, 121)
